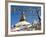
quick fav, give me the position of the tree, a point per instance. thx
(38, 14)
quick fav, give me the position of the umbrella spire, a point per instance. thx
(22, 17)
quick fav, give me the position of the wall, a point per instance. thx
(2, 19)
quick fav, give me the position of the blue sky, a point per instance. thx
(30, 13)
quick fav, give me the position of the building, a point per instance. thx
(23, 25)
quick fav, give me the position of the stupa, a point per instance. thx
(23, 24)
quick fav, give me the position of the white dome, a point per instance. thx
(29, 25)
(22, 23)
